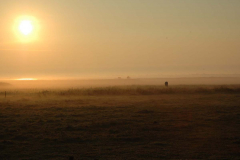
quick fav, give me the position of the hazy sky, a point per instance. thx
(112, 38)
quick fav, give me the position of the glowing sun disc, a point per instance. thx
(26, 27)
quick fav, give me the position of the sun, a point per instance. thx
(25, 27)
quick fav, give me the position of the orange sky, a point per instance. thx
(108, 39)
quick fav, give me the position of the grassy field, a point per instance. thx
(124, 122)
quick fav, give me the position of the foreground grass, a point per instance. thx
(92, 124)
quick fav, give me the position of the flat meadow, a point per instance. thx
(121, 122)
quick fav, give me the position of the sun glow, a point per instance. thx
(26, 27)
(26, 79)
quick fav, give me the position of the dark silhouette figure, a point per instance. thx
(71, 158)
(166, 84)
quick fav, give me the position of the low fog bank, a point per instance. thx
(117, 82)
(4, 84)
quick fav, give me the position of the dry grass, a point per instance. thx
(128, 90)
(128, 122)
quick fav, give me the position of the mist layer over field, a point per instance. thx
(118, 82)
